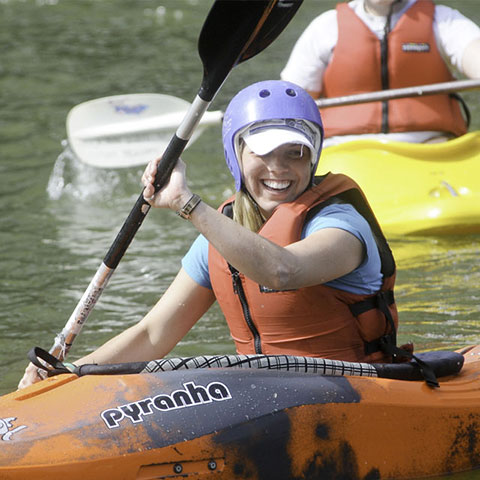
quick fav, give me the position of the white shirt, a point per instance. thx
(314, 48)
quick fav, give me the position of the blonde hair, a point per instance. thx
(245, 209)
(246, 212)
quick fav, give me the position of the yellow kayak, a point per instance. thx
(415, 189)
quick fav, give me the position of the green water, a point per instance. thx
(58, 217)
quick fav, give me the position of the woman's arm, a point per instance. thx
(323, 256)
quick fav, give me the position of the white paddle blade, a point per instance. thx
(120, 152)
(127, 130)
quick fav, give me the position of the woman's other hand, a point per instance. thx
(30, 376)
(174, 195)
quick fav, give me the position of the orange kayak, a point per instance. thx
(232, 423)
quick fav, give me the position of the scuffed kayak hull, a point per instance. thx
(415, 189)
(241, 424)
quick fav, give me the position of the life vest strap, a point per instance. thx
(380, 301)
(463, 104)
(388, 343)
(377, 301)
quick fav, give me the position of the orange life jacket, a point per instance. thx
(317, 321)
(362, 63)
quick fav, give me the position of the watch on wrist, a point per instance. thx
(186, 211)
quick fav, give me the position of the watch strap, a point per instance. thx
(186, 211)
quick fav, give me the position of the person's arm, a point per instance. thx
(459, 40)
(471, 59)
(156, 334)
(323, 256)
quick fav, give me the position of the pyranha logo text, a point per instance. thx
(190, 396)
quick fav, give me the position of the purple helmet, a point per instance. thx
(281, 112)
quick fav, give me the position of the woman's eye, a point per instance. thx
(295, 153)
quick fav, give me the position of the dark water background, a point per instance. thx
(58, 217)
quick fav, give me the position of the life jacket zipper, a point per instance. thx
(239, 290)
(384, 68)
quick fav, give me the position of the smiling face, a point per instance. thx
(278, 177)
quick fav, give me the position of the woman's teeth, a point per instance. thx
(277, 184)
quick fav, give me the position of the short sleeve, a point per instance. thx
(367, 277)
(195, 262)
(454, 32)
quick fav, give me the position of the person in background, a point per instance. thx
(370, 45)
(297, 263)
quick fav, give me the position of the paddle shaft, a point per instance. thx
(169, 159)
(165, 122)
(417, 91)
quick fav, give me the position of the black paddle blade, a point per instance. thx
(236, 30)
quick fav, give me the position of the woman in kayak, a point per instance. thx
(297, 263)
(369, 45)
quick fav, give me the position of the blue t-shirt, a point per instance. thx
(365, 279)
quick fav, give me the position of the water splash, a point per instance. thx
(72, 178)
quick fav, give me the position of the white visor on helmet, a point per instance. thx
(264, 137)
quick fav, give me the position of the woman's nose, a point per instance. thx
(276, 162)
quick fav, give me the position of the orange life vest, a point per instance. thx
(411, 57)
(317, 321)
